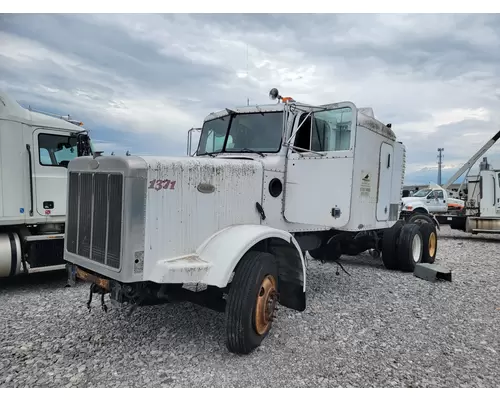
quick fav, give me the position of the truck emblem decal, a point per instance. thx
(205, 188)
(159, 184)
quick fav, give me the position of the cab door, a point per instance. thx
(319, 167)
(435, 201)
(489, 193)
(384, 181)
(52, 150)
(497, 206)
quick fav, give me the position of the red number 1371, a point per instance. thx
(159, 184)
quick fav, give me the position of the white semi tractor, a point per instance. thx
(35, 149)
(230, 227)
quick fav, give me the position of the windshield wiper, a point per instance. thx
(247, 150)
(208, 154)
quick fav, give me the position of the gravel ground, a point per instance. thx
(375, 328)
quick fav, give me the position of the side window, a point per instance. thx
(214, 142)
(331, 130)
(303, 136)
(212, 136)
(498, 180)
(325, 131)
(56, 150)
(45, 157)
(436, 194)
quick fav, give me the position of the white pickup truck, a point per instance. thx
(431, 200)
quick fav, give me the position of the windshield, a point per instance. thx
(422, 193)
(259, 132)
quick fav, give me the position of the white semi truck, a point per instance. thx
(229, 228)
(35, 149)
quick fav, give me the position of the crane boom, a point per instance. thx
(472, 160)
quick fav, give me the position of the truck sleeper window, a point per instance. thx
(56, 150)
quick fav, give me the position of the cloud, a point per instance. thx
(436, 78)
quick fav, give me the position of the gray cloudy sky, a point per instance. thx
(141, 81)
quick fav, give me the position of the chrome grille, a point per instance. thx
(95, 216)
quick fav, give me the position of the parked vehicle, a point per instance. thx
(35, 149)
(479, 213)
(229, 228)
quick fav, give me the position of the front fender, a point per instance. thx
(411, 207)
(225, 248)
(214, 260)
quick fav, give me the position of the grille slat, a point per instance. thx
(84, 227)
(100, 218)
(114, 221)
(72, 228)
(95, 216)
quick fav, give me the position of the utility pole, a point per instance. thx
(440, 164)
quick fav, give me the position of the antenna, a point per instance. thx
(248, 80)
(440, 164)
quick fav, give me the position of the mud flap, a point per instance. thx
(292, 296)
(435, 221)
(432, 273)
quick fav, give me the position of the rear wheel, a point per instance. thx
(420, 218)
(429, 243)
(390, 245)
(251, 302)
(410, 247)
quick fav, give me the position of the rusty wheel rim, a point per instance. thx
(432, 244)
(265, 304)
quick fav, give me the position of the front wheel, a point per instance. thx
(251, 302)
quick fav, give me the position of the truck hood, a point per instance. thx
(189, 199)
(407, 200)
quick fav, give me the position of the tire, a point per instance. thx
(419, 218)
(429, 243)
(410, 247)
(390, 245)
(246, 319)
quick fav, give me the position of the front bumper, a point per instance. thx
(88, 277)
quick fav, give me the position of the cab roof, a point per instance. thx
(365, 115)
(11, 110)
